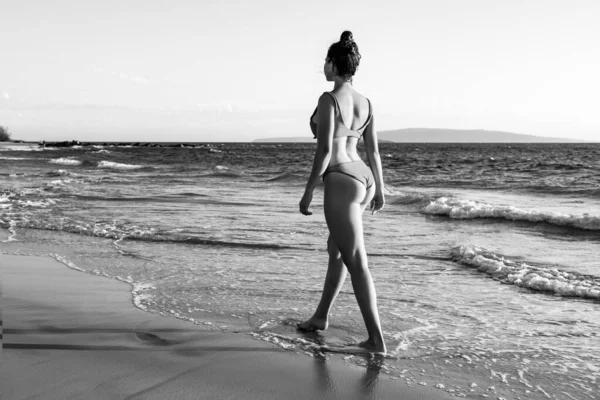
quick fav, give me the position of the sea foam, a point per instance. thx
(524, 275)
(21, 147)
(469, 209)
(5, 201)
(65, 161)
(60, 172)
(114, 165)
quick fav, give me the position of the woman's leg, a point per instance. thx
(334, 280)
(345, 200)
(336, 275)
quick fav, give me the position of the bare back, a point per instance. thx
(353, 113)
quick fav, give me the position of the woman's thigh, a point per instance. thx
(344, 203)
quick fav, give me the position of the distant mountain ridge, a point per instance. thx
(434, 135)
(437, 135)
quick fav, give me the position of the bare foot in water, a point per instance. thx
(372, 347)
(354, 350)
(313, 324)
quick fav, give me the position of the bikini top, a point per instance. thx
(340, 129)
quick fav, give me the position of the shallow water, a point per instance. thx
(484, 268)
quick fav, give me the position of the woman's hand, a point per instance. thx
(305, 202)
(378, 202)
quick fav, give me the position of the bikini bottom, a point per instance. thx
(354, 169)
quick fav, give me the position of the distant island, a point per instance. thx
(434, 135)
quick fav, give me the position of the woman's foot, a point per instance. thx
(313, 324)
(375, 347)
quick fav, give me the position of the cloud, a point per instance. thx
(6, 95)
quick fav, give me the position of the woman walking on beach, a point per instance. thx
(342, 117)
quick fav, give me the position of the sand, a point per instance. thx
(71, 335)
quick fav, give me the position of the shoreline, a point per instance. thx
(68, 334)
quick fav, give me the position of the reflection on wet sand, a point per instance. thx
(365, 386)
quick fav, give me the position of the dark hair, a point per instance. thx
(344, 55)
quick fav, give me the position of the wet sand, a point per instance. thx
(71, 335)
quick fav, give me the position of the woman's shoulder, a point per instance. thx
(327, 98)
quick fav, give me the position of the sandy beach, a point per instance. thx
(71, 335)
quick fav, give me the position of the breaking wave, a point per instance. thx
(469, 209)
(114, 165)
(65, 161)
(528, 276)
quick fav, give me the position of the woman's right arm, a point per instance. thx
(325, 124)
(372, 149)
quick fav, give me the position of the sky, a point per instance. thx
(203, 70)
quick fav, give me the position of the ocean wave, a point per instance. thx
(23, 205)
(9, 198)
(400, 197)
(589, 191)
(5, 201)
(224, 173)
(15, 158)
(211, 242)
(65, 161)
(174, 197)
(21, 147)
(60, 172)
(469, 209)
(524, 275)
(109, 230)
(8, 203)
(286, 176)
(122, 231)
(561, 166)
(60, 182)
(114, 165)
(66, 262)
(41, 203)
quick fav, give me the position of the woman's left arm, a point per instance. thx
(325, 125)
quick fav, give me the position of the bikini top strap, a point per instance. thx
(369, 116)
(337, 105)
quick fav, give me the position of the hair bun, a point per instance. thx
(344, 55)
(346, 37)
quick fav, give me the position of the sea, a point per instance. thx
(486, 257)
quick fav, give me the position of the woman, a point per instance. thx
(342, 117)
